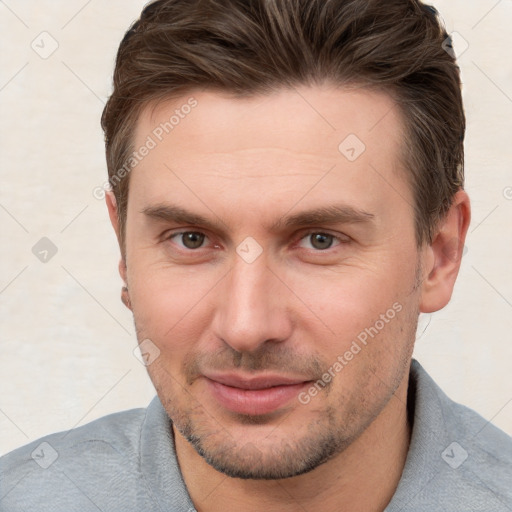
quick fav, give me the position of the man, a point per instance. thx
(287, 193)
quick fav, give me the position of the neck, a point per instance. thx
(363, 477)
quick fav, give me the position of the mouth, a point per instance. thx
(254, 395)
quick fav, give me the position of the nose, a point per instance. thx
(252, 307)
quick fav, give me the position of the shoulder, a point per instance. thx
(121, 462)
(488, 449)
(457, 459)
(479, 454)
(76, 464)
(118, 431)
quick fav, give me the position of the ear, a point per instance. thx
(444, 255)
(110, 200)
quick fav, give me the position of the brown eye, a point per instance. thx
(191, 239)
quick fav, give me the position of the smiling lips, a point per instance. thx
(256, 395)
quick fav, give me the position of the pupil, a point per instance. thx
(321, 241)
(193, 240)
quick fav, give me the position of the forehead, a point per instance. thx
(306, 144)
(301, 118)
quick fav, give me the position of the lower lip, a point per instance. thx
(254, 401)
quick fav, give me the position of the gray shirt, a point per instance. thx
(124, 462)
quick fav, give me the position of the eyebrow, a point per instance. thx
(333, 214)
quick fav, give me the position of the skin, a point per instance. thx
(245, 164)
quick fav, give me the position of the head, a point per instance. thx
(287, 195)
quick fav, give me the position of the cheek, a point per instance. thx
(171, 306)
(353, 299)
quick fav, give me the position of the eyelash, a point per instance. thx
(337, 238)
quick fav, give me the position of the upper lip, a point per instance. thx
(254, 382)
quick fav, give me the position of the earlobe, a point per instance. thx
(445, 254)
(125, 298)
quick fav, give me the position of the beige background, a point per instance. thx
(66, 340)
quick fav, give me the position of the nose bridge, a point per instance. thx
(251, 308)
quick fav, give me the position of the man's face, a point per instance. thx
(260, 304)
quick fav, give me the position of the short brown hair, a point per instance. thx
(246, 47)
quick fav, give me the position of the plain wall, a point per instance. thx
(66, 339)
